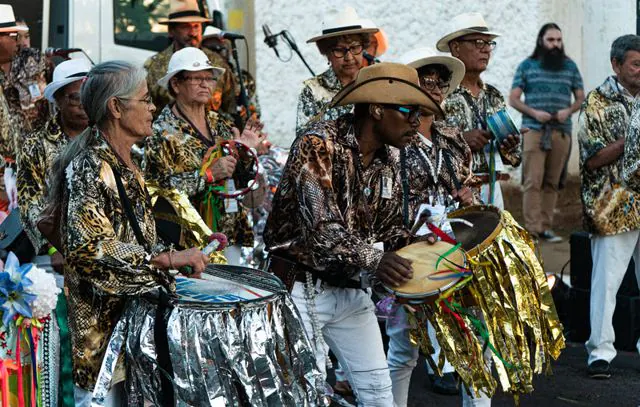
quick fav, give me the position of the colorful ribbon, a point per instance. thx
(65, 387)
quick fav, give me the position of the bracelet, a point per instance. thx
(52, 250)
(171, 250)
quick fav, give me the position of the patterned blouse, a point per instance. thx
(426, 160)
(316, 93)
(467, 112)
(104, 261)
(328, 210)
(603, 120)
(7, 129)
(25, 90)
(224, 96)
(173, 157)
(35, 158)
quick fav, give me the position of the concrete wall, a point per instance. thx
(589, 27)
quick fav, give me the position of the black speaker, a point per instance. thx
(626, 319)
(581, 265)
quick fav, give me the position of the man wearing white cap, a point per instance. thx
(468, 107)
(38, 150)
(185, 30)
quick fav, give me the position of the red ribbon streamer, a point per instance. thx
(441, 234)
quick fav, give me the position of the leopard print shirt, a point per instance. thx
(316, 93)
(35, 158)
(173, 157)
(461, 114)
(425, 158)
(603, 120)
(328, 210)
(224, 96)
(8, 132)
(105, 264)
(29, 68)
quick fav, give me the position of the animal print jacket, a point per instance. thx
(104, 261)
(328, 210)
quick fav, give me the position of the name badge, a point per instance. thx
(379, 245)
(387, 187)
(230, 204)
(34, 90)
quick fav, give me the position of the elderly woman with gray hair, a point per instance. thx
(108, 234)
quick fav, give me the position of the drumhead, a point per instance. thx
(224, 284)
(424, 257)
(485, 220)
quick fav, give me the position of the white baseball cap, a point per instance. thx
(188, 59)
(65, 73)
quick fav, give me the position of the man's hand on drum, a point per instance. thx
(223, 167)
(252, 134)
(464, 196)
(477, 139)
(394, 270)
(177, 260)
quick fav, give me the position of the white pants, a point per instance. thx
(497, 194)
(350, 328)
(611, 256)
(115, 396)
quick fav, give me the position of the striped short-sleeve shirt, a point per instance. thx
(547, 90)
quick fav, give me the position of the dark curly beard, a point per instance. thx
(552, 59)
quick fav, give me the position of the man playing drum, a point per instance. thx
(336, 209)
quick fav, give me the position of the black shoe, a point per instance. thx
(599, 370)
(447, 384)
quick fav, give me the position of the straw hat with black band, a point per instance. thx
(8, 20)
(184, 11)
(464, 24)
(346, 22)
(387, 83)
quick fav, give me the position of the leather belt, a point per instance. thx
(485, 179)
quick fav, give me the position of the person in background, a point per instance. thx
(185, 30)
(39, 149)
(469, 39)
(342, 42)
(548, 79)
(24, 36)
(608, 139)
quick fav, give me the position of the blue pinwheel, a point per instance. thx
(13, 297)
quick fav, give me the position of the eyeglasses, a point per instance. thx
(13, 36)
(74, 99)
(147, 99)
(355, 49)
(481, 44)
(196, 80)
(410, 113)
(430, 85)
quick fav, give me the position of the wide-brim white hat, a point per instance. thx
(183, 11)
(65, 73)
(188, 59)
(343, 23)
(464, 24)
(420, 57)
(211, 32)
(8, 19)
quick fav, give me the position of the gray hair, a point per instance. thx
(105, 81)
(622, 45)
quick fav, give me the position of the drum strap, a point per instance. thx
(128, 210)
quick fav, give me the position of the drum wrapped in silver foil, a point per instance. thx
(252, 353)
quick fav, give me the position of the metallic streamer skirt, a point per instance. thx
(252, 353)
(510, 293)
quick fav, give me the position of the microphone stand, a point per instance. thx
(287, 37)
(243, 99)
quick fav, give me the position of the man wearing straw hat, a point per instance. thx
(337, 208)
(185, 30)
(38, 150)
(468, 107)
(8, 126)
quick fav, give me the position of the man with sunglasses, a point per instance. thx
(39, 149)
(468, 107)
(337, 209)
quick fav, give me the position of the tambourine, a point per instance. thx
(243, 175)
(502, 125)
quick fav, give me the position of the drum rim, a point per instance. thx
(482, 246)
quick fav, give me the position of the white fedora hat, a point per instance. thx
(65, 73)
(210, 32)
(183, 11)
(420, 57)
(8, 19)
(464, 24)
(345, 22)
(188, 59)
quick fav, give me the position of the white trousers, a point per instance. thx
(349, 326)
(115, 396)
(611, 256)
(497, 194)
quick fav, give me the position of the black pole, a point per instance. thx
(244, 99)
(287, 37)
